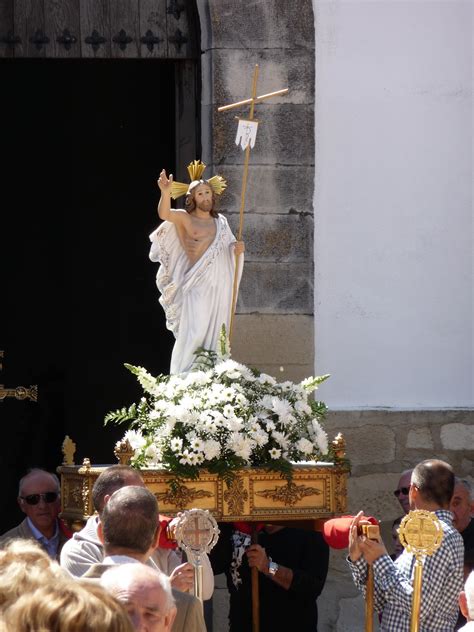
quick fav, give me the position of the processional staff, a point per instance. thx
(421, 534)
(246, 135)
(372, 532)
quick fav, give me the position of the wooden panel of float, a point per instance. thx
(314, 492)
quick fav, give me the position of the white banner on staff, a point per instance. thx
(246, 133)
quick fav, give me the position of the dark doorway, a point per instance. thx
(84, 142)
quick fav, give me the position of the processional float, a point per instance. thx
(313, 493)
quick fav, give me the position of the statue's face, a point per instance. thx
(203, 197)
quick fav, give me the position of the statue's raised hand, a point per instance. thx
(164, 183)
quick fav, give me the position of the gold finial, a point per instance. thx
(86, 463)
(124, 452)
(339, 446)
(195, 170)
(68, 449)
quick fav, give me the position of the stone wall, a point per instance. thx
(275, 306)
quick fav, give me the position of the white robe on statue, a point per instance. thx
(197, 300)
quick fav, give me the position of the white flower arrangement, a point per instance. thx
(223, 416)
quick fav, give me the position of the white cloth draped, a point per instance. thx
(197, 300)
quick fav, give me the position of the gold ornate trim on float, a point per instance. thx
(315, 492)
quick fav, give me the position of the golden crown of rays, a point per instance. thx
(195, 170)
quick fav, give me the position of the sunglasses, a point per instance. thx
(403, 490)
(33, 499)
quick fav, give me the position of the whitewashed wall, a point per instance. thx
(393, 203)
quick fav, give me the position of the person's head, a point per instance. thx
(402, 490)
(113, 478)
(39, 498)
(25, 566)
(200, 195)
(397, 545)
(129, 522)
(432, 485)
(466, 598)
(145, 593)
(462, 504)
(67, 605)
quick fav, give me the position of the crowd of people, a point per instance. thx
(118, 574)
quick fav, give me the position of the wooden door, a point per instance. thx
(84, 132)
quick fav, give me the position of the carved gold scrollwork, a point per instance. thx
(74, 494)
(86, 497)
(180, 495)
(290, 493)
(340, 492)
(235, 496)
(124, 452)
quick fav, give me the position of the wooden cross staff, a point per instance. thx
(252, 101)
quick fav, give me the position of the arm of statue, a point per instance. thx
(165, 211)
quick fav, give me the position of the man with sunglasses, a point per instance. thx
(401, 494)
(39, 499)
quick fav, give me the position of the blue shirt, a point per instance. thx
(442, 581)
(50, 545)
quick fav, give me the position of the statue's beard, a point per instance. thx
(205, 205)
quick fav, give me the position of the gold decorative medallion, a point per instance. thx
(420, 532)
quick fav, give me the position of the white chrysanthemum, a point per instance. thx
(269, 424)
(169, 425)
(196, 444)
(275, 453)
(241, 445)
(198, 378)
(259, 436)
(187, 457)
(155, 414)
(302, 407)
(176, 444)
(322, 441)
(228, 411)
(241, 400)
(234, 424)
(228, 394)
(227, 367)
(212, 449)
(280, 438)
(265, 402)
(305, 446)
(263, 378)
(135, 439)
(153, 453)
(160, 405)
(281, 407)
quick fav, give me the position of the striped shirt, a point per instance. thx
(442, 581)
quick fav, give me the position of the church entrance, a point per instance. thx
(83, 141)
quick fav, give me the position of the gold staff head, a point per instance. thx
(195, 170)
(420, 532)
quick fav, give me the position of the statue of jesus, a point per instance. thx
(197, 253)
